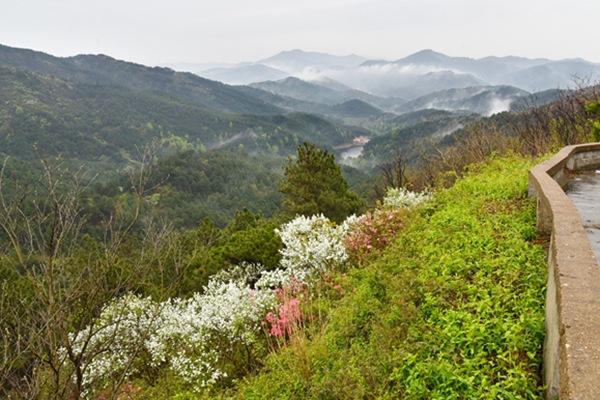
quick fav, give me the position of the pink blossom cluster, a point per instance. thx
(289, 314)
(373, 231)
(286, 320)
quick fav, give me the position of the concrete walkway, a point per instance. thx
(584, 191)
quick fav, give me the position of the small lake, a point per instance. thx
(352, 152)
(584, 191)
(355, 149)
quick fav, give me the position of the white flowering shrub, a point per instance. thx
(403, 198)
(243, 274)
(112, 345)
(311, 244)
(254, 276)
(275, 279)
(189, 337)
(350, 223)
(227, 312)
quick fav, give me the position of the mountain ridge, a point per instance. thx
(102, 69)
(427, 70)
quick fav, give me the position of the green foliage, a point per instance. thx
(248, 238)
(594, 109)
(453, 309)
(596, 130)
(186, 188)
(215, 185)
(314, 184)
(257, 243)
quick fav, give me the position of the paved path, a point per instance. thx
(584, 191)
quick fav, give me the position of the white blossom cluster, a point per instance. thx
(403, 198)
(255, 275)
(312, 244)
(350, 223)
(111, 345)
(187, 336)
(191, 336)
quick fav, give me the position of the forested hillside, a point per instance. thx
(104, 70)
(414, 134)
(98, 122)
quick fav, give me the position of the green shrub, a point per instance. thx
(593, 108)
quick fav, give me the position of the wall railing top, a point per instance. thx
(572, 346)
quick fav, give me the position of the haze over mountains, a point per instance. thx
(413, 76)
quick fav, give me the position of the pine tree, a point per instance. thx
(314, 184)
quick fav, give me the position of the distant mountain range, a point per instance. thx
(94, 108)
(244, 74)
(298, 95)
(295, 61)
(414, 76)
(528, 74)
(279, 66)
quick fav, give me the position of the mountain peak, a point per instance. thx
(291, 79)
(427, 52)
(296, 60)
(426, 55)
(290, 53)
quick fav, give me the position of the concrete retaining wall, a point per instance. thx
(572, 346)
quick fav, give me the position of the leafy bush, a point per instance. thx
(377, 228)
(373, 231)
(593, 108)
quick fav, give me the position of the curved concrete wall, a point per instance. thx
(572, 346)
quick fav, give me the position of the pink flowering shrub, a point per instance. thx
(373, 231)
(288, 316)
(285, 322)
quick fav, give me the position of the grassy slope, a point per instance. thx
(453, 309)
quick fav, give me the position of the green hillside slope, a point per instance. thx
(453, 309)
(412, 132)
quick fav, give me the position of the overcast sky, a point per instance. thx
(157, 32)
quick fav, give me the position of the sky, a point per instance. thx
(202, 31)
